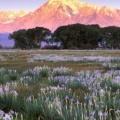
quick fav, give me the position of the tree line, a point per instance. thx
(74, 36)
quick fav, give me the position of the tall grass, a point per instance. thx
(68, 95)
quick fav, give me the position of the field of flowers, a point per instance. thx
(59, 85)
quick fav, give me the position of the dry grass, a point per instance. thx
(17, 59)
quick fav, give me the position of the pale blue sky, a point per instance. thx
(31, 5)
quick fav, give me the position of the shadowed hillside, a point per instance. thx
(4, 41)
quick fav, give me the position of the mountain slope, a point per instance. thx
(55, 13)
(9, 16)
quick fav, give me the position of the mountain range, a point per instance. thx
(10, 16)
(55, 13)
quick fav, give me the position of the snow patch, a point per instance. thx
(9, 21)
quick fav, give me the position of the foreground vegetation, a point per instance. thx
(59, 85)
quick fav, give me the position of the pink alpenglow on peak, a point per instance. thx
(55, 13)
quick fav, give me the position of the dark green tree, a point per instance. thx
(78, 36)
(31, 38)
(19, 38)
(111, 37)
(42, 35)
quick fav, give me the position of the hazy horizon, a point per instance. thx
(4, 41)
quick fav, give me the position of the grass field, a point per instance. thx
(60, 85)
(16, 59)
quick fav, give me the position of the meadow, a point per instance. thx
(59, 84)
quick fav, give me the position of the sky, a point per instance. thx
(31, 5)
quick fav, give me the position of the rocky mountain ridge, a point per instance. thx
(9, 16)
(55, 13)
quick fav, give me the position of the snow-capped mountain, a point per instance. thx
(9, 16)
(55, 13)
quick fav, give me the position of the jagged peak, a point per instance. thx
(74, 4)
(62, 1)
(71, 3)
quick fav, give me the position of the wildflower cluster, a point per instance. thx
(57, 58)
(111, 65)
(85, 95)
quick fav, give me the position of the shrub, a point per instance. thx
(51, 47)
